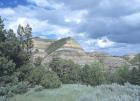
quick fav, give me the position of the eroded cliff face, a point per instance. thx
(69, 49)
(41, 43)
(40, 46)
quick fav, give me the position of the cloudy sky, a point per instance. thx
(109, 26)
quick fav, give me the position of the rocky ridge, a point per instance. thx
(68, 48)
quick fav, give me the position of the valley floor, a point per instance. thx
(73, 92)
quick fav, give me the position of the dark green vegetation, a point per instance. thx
(57, 44)
(15, 55)
(93, 74)
(16, 66)
(18, 71)
(68, 71)
(43, 77)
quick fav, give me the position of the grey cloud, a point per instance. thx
(107, 18)
(79, 4)
(117, 20)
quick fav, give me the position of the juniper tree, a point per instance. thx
(25, 36)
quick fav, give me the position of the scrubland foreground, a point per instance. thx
(75, 92)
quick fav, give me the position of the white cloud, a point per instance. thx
(46, 3)
(76, 16)
(36, 24)
(104, 42)
(41, 3)
(6, 11)
(132, 20)
(40, 26)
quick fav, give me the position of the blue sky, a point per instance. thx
(98, 25)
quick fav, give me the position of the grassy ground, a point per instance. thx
(83, 93)
(65, 93)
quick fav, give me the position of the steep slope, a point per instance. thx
(40, 46)
(69, 49)
(56, 45)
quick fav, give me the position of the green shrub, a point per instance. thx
(136, 60)
(38, 88)
(7, 67)
(3, 98)
(50, 80)
(93, 74)
(4, 91)
(8, 80)
(44, 77)
(38, 61)
(124, 74)
(36, 75)
(20, 88)
(121, 75)
(24, 71)
(67, 70)
(134, 76)
(10, 94)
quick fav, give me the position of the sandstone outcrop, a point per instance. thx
(68, 48)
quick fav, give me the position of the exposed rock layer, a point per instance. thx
(68, 48)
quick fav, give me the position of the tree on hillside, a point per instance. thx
(136, 60)
(67, 70)
(134, 74)
(93, 74)
(7, 63)
(25, 35)
(28, 38)
(121, 74)
(11, 51)
(2, 30)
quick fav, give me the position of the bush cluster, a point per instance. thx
(20, 88)
(93, 74)
(9, 91)
(67, 70)
(44, 77)
(50, 80)
(113, 92)
(123, 75)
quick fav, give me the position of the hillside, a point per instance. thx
(41, 44)
(68, 48)
(63, 43)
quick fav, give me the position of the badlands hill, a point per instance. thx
(68, 48)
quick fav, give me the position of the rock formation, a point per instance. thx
(40, 46)
(68, 48)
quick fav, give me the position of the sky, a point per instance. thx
(109, 26)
